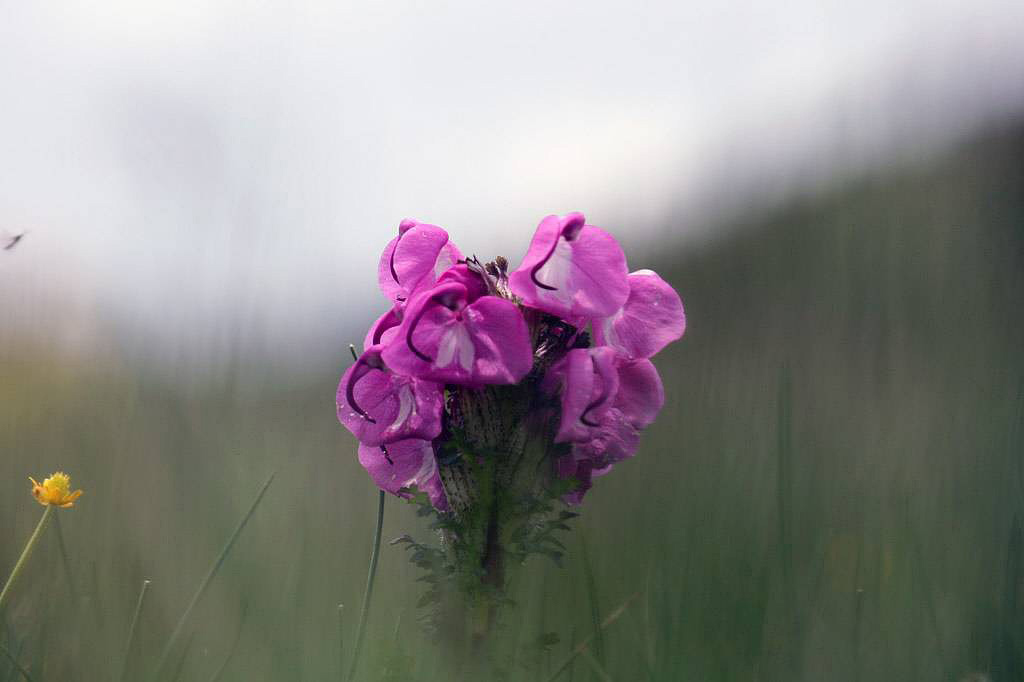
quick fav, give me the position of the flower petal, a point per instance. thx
(572, 270)
(404, 464)
(641, 395)
(588, 382)
(384, 328)
(380, 407)
(443, 339)
(414, 259)
(651, 318)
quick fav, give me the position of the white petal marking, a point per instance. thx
(406, 403)
(555, 273)
(456, 345)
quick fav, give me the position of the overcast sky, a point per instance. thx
(202, 173)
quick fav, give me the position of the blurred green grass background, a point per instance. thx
(833, 492)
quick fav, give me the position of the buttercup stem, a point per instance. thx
(364, 613)
(26, 553)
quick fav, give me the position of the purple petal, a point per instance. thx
(443, 339)
(404, 464)
(589, 383)
(615, 440)
(475, 286)
(651, 318)
(641, 395)
(380, 407)
(384, 328)
(414, 259)
(572, 270)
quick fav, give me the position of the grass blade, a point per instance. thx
(131, 627)
(585, 644)
(234, 645)
(341, 641)
(595, 666)
(12, 672)
(14, 662)
(365, 610)
(184, 655)
(595, 607)
(214, 569)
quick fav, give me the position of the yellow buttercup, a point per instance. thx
(55, 490)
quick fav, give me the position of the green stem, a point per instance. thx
(131, 628)
(584, 645)
(214, 569)
(26, 553)
(341, 640)
(14, 662)
(365, 611)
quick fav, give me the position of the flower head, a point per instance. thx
(473, 364)
(55, 490)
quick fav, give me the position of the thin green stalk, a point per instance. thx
(784, 519)
(214, 569)
(14, 661)
(12, 672)
(585, 644)
(572, 647)
(595, 666)
(364, 613)
(131, 628)
(858, 612)
(26, 553)
(184, 655)
(234, 645)
(341, 641)
(595, 607)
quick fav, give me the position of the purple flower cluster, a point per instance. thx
(457, 327)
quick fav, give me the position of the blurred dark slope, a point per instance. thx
(838, 472)
(833, 491)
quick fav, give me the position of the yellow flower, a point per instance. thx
(55, 490)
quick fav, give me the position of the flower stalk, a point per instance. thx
(26, 553)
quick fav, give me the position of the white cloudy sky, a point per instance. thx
(203, 173)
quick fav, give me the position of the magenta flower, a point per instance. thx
(414, 259)
(403, 465)
(472, 365)
(651, 318)
(379, 406)
(572, 270)
(444, 337)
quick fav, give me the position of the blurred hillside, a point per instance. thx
(834, 490)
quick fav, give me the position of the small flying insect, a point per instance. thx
(10, 242)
